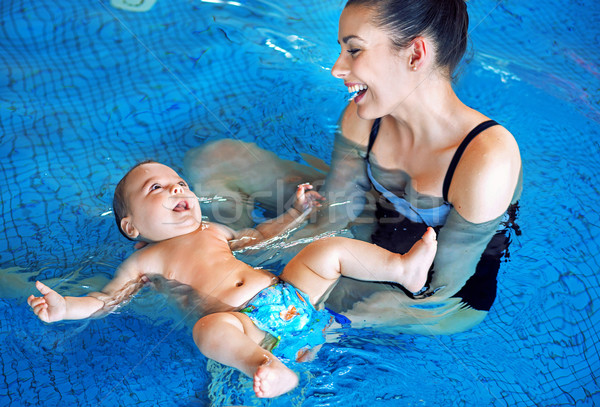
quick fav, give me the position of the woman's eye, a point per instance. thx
(353, 51)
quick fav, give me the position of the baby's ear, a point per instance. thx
(128, 228)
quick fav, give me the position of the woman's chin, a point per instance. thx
(365, 114)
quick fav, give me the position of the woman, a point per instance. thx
(431, 160)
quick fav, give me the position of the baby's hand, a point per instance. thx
(307, 200)
(49, 308)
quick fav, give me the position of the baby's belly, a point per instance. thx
(244, 290)
(232, 288)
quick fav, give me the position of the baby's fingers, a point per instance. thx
(42, 312)
(30, 300)
(33, 301)
(43, 288)
(39, 308)
(303, 187)
(315, 195)
(37, 304)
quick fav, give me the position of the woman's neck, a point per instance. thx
(430, 115)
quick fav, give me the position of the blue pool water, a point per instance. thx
(88, 90)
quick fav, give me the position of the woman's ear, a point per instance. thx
(418, 53)
(128, 228)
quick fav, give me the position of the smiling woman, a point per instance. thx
(429, 159)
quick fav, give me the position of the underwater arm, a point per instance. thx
(460, 247)
(347, 183)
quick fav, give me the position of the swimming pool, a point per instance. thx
(90, 90)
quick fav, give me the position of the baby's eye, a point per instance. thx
(154, 187)
(183, 184)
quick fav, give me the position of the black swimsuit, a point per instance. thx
(399, 228)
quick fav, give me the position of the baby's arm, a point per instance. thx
(305, 201)
(52, 306)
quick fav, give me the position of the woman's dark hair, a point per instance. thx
(446, 22)
(120, 207)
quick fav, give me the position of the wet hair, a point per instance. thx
(445, 22)
(120, 207)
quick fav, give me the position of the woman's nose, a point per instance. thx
(340, 68)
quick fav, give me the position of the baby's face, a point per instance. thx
(160, 203)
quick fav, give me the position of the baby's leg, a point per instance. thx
(232, 338)
(320, 264)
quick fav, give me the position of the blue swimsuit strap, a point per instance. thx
(430, 217)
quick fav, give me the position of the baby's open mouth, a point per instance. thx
(181, 206)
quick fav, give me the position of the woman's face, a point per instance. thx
(368, 63)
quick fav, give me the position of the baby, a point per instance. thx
(248, 306)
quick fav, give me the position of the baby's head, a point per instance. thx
(152, 203)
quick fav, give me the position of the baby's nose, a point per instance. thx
(176, 189)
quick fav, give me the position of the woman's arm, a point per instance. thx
(487, 180)
(346, 185)
(460, 246)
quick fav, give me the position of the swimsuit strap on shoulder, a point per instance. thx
(459, 152)
(373, 136)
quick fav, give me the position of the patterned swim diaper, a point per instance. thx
(287, 315)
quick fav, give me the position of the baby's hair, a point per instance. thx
(120, 207)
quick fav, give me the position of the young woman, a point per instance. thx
(432, 160)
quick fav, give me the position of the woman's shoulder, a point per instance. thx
(494, 147)
(353, 127)
(486, 176)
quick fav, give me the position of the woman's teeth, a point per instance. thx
(356, 89)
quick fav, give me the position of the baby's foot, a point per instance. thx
(418, 260)
(273, 379)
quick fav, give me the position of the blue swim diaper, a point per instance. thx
(286, 314)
